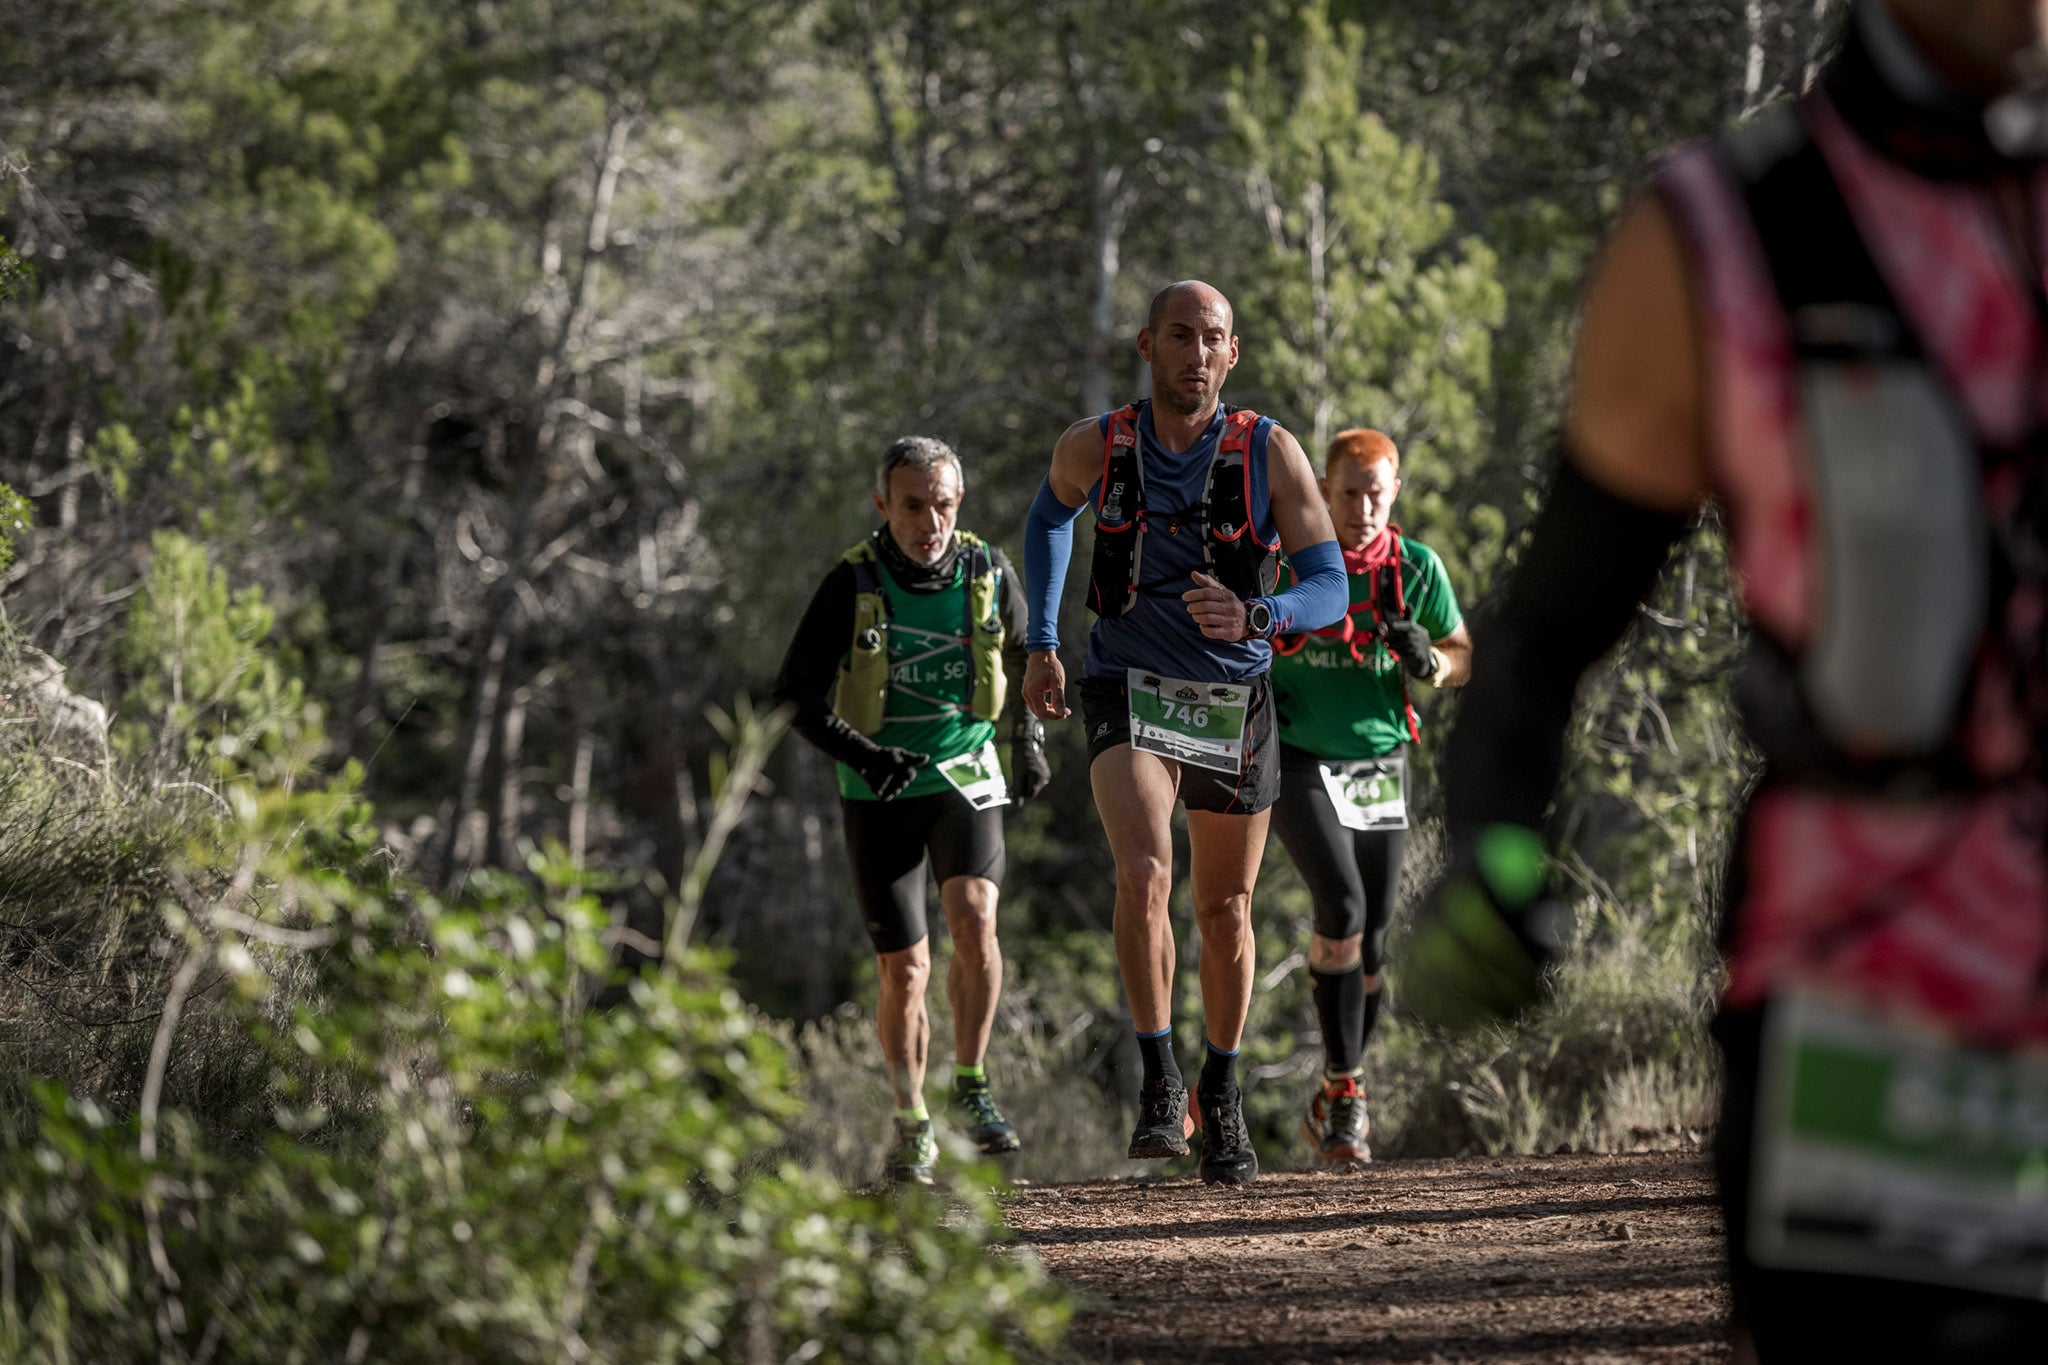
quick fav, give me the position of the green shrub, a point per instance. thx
(361, 1123)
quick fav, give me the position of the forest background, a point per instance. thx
(428, 423)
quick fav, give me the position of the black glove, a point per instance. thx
(1484, 935)
(1029, 772)
(1411, 645)
(887, 771)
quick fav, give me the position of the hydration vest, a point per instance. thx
(1231, 548)
(1873, 409)
(1386, 599)
(1911, 576)
(862, 698)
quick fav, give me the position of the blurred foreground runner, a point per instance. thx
(906, 640)
(1193, 502)
(1345, 726)
(1835, 320)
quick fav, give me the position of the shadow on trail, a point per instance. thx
(1566, 1270)
(1282, 1346)
(1255, 1219)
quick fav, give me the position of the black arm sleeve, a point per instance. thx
(1016, 619)
(811, 668)
(1592, 558)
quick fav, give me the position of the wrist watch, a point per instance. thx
(1258, 619)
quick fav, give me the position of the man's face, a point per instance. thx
(1361, 498)
(1984, 47)
(922, 506)
(1190, 352)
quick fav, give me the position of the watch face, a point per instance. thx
(1259, 617)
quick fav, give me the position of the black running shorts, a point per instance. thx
(890, 843)
(1106, 709)
(1352, 875)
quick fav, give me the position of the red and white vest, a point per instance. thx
(1925, 888)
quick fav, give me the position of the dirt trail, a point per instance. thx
(1537, 1259)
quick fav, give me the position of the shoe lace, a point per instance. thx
(915, 1143)
(1347, 1111)
(1227, 1135)
(979, 1104)
(1159, 1104)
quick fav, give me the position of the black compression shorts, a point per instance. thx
(1106, 710)
(890, 843)
(1352, 875)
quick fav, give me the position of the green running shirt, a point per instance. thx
(1336, 707)
(928, 654)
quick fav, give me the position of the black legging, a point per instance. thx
(1799, 1315)
(1353, 876)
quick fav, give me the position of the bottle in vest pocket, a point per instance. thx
(1899, 513)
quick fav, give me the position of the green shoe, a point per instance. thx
(984, 1122)
(916, 1157)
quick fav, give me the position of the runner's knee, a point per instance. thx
(970, 905)
(1144, 882)
(973, 928)
(1220, 915)
(905, 973)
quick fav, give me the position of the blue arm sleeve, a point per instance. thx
(1320, 594)
(1048, 544)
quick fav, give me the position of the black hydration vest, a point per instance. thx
(1917, 578)
(1231, 548)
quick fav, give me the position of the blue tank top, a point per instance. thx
(1157, 633)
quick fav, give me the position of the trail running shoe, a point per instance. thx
(1227, 1155)
(1335, 1123)
(1163, 1122)
(985, 1123)
(916, 1156)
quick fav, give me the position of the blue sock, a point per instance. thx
(1219, 1071)
(1156, 1051)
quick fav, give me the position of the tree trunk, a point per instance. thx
(502, 850)
(503, 598)
(363, 714)
(580, 762)
(1318, 244)
(75, 471)
(1112, 205)
(458, 839)
(1753, 67)
(1813, 42)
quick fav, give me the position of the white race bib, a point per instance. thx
(977, 776)
(1888, 1148)
(1369, 793)
(1192, 722)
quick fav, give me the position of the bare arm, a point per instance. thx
(1635, 424)
(1076, 462)
(1299, 512)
